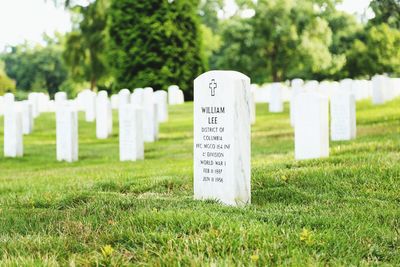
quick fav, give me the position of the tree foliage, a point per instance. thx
(86, 46)
(6, 83)
(283, 40)
(386, 11)
(131, 43)
(155, 43)
(208, 11)
(377, 52)
(40, 68)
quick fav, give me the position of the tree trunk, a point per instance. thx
(93, 83)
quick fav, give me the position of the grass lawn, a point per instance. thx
(344, 210)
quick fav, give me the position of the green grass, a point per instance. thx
(344, 210)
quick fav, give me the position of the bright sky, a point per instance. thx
(22, 20)
(28, 19)
(357, 7)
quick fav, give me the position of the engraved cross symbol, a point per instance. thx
(212, 86)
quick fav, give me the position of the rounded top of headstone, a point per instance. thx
(124, 92)
(231, 74)
(276, 85)
(149, 89)
(103, 93)
(160, 92)
(297, 82)
(9, 97)
(61, 93)
(173, 87)
(311, 85)
(325, 85)
(254, 86)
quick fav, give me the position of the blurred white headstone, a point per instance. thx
(137, 97)
(276, 101)
(90, 107)
(343, 116)
(262, 94)
(33, 98)
(311, 86)
(102, 115)
(311, 126)
(27, 117)
(149, 116)
(114, 102)
(378, 90)
(296, 88)
(13, 136)
(175, 95)
(60, 98)
(131, 143)
(67, 132)
(161, 98)
(43, 102)
(124, 97)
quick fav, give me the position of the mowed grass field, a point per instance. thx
(344, 210)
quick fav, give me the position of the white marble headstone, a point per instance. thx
(124, 97)
(296, 88)
(276, 101)
(60, 97)
(43, 102)
(102, 115)
(222, 137)
(262, 94)
(312, 126)
(149, 116)
(114, 102)
(27, 117)
(109, 117)
(175, 95)
(343, 116)
(67, 132)
(90, 106)
(172, 94)
(131, 143)
(378, 90)
(137, 97)
(161, 98)
(180, 97)
(311, 86)
(13, 135)
(33, 98)
(253, 106)
(9, 100)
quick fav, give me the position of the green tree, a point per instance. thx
(211, 42)
(345, 29)
(386, 11)
(156, 43)
(6, 83)
(316, 59)
(208, 11)
(86, 45)
(37, 68)
(237, 51)
(283, 40)
(377, 52)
